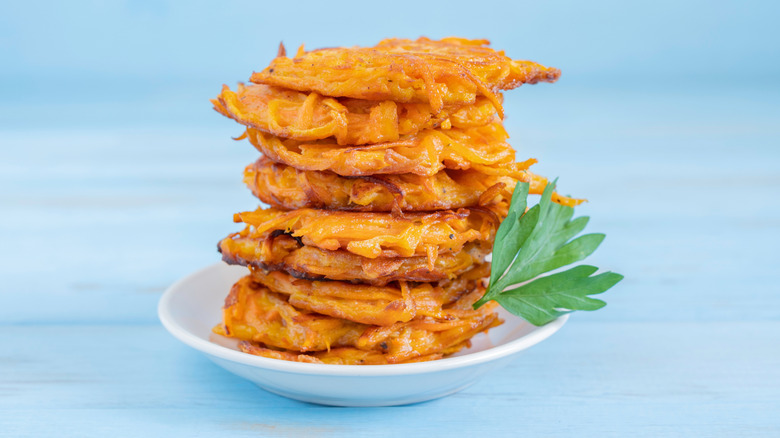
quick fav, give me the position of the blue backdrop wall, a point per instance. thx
(171, 56)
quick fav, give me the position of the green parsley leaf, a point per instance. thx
(537, 241)
(540, 301)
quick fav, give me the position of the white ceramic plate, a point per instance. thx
(193, 305)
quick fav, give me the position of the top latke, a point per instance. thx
(452, 71)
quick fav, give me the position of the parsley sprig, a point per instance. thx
(537, 241)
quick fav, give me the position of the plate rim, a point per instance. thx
(491, 354)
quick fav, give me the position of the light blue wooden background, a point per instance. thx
(116, 179)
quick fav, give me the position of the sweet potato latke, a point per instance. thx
(453, 71)
(254, 312)
(423, 154)
(288, 188)
(401, 301)
(373, 235)
(283, 252)
(388, 172)
(308, 117)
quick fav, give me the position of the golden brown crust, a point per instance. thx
(451, 71)
(374, 235)
(283, 252)
(311, 116)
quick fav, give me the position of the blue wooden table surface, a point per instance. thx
(97, 222)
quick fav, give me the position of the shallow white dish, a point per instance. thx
(193, 305)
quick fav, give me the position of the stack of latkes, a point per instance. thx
(388, 172)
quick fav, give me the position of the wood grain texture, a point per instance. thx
(97, 223)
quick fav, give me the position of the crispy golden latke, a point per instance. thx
(282, 252)
(374, 235)
(309, 117)
(288, 188)
(483, 148)
(453, 71)
(400, 301)
(253, 313)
